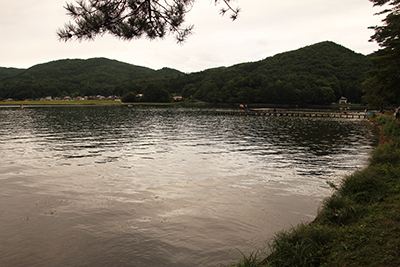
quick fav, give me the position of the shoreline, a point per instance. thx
(61, 103)
(358, 225)
(83, 103)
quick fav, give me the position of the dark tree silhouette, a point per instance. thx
(131, 19)
(382, 83)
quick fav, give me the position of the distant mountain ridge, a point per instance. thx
(318, 73)
(68, 76)
(91, 64)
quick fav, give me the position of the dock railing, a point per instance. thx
(293, 113)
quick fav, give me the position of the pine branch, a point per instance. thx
(129, 19)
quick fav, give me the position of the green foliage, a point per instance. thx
(299, 246)
(129, 97)
(338, 210)
(316, 74)
(97, 76)
(208, 92)
(154, 93)
(386, 76)
(386, 154)
(375, 95)
(391, 128)
(364, 187)
(6, 73)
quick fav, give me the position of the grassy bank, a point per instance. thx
(359, 225)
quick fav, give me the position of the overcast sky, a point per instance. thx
(263, 29)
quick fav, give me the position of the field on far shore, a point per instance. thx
(64, 102)
(81, 102)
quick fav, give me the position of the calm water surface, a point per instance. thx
(119, 186)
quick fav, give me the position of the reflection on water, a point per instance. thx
(119, 186)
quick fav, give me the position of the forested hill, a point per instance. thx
(74, 77)
(317, 74)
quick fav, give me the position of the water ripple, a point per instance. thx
(103, 186)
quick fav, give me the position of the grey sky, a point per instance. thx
(264, 28)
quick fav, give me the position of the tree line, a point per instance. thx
(317, 74)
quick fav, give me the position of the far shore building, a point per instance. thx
(343, 100)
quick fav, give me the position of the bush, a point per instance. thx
(129, 97)
(300, 246)
(386, 154)
(338, 210)
(392, 128)
(154, 93)
(365, 186)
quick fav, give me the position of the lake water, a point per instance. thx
(145, 186)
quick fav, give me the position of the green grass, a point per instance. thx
(154, 104)
(64, 102)
(359, 225)
(252, 260)
(90, 102)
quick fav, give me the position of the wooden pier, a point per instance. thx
(290, 113)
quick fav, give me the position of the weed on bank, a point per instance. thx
(358, 225)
